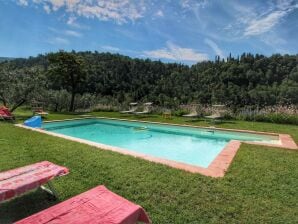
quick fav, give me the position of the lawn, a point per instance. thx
(261, 185)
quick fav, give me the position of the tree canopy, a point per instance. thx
(249, 79)
(67, 71)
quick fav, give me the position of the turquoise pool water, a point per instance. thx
(195, 146)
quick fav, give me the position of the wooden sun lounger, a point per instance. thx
(96, 206)
(40, 111)
(191, 115)
(5, 117)
(21, 180)
(142, 112)
(147, 109)
(132, 108)
(128, 111)
(214, 116)
(5, 114)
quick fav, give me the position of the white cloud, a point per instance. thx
(272, 39)
(61, 36)
(22, 2)
(191, 4)
(215, 47)
(58, 41)
(177, 53)
(263, 25)
(73, 33)
(255, 21)
(121, 11)
(57, 4)
(47, 9)
(71, 20)
(159, 13)
(65, 32)
(110, 48)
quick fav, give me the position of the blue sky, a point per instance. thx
(184, 31)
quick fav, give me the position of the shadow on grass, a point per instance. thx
(69, 113)
(23, 117)
(193, 120)
(8, 121)
(138, 116)
(210, 122)
(126, 115)
(229, 122)
(25, 205)
(219, 122)
(146, 116)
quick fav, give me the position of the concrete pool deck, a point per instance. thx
(218, 166)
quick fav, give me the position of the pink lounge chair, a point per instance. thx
(5, 114)
(21, 180)
(96, 206)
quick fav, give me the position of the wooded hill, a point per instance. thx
(2, 59)
(246, 80)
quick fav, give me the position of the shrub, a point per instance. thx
(278, 118)
(274, 114)
(180, 112)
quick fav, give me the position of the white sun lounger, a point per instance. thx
(214, 116)
(191, 115)
(132, 108)
(147, 109)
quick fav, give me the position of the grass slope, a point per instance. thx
(261, 185)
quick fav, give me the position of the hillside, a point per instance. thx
(249, 79)
(2, 59)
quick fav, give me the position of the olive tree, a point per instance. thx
(67, 71)
(18, 87)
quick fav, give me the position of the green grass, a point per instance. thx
(260, 186)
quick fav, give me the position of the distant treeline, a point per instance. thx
(2, 59)
(254, 80)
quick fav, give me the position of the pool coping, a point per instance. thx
(218, 166)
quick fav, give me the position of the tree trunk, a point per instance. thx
(71, 107)
(2, 98)
(4, 102)
(56, 107)
(18, 105)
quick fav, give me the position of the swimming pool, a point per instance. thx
(187, 145)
